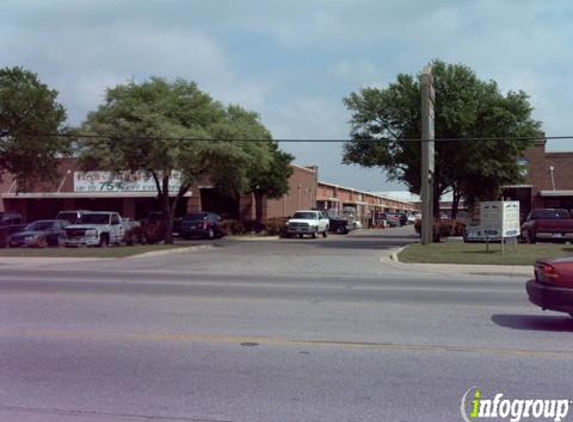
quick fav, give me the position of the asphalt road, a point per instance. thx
(288, 330)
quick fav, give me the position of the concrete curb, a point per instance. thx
(520, 271)
(172, 251)
(394, 254)
(253, 238)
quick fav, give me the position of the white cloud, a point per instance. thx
(294, 61)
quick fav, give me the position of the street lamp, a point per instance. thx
(551, 168)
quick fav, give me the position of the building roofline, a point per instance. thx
(298, 166)
(549, 193)
(363, 192)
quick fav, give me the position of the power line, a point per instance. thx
(292, 140)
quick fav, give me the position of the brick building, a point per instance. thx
(548, 180)
(135, 196)
(331, 196)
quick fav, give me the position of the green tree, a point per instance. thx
(163, 127)
(271, 180)
(466, 107)
(28, 112)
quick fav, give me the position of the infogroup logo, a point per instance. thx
(475, 407)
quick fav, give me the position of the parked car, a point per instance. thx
(309, 222)
(201, 224)
(391, 219)
(548, 224)
(40, 233)
(95, 229)
(552, 287)
(130, 223)
(10, 223)
(402, 218)
(71, 216)
(340, 225)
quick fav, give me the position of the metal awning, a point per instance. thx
(517, 187)
(553, 193)
(85, 195)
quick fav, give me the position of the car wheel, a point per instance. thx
(103, 242)
(324, 234)
(210, 234)
(314, 234)
(338, 230)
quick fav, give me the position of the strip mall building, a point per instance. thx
(548, 180)
(134, 196)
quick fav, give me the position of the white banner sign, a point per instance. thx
(105, 181)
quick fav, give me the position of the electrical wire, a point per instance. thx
(292, 140)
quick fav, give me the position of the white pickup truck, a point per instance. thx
(308, 222)
(95, 229)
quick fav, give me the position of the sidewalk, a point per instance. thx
(521, 271)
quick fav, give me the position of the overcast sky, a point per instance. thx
(294, 61)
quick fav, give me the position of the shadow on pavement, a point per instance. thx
(341, 244)
(381, 236)
(535, 323)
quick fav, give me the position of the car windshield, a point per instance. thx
(195, 217)
(94, 219)
(40, 225)
(550, 215)
(305, 215)
(70, 216)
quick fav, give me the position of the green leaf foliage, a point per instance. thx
(465, 107)
(28, 112)
(205, 138)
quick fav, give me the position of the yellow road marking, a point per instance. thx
(277, 341)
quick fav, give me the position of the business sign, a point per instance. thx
(125, 181)
(500, 218)
(523, 165)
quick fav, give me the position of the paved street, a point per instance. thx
(279, 330)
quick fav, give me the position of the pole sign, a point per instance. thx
(500, 219)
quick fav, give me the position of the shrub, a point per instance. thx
(233, 227)
(443, 228)
(153, 233)
(144, 235)
(271, 227)
(276, 226)
(134, 236)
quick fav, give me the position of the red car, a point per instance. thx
(552, 287)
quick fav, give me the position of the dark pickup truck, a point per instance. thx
(548, 224)
(10, 223)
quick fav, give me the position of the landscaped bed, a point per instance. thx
(477, 253)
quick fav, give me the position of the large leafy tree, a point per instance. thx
(30, 116)
(386, 120)
(162, 127)
(270, 180)
(268, 172)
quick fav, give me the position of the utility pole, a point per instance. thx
(428, 97)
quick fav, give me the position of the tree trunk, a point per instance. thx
(456, 197)
(258, 211)
(166, 210)
(437, 195)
